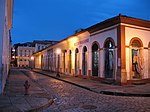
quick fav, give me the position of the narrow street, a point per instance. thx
(74, 56)
(70, 98)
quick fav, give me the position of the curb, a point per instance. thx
(101, 92)
(124, 94)
(41, 107)
(64, 80)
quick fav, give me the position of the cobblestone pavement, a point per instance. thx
(134, 89)
(70, 98)
(13, 98)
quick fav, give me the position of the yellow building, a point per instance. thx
(116, 50)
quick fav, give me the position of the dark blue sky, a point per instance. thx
(58, 19)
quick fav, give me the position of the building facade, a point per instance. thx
(6, 7)
(42, 44)
(23, 51)
(117, 50)
(23, 55)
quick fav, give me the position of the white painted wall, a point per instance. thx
(5, 25)
(100, 38)
(2, 27)
(144, 35)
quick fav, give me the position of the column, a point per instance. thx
(101, 64)
(89, 67)
(121, 67)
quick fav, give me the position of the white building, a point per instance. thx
(23, 55)
(6, 7)
(25, 50)
(42, 44)
(116, 50)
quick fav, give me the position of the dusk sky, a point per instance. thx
(58, 19)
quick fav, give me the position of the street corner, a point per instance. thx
(29, 103)
(39, 104)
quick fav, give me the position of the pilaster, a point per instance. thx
(121, 59)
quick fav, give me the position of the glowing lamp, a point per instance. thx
(32, 58)
(58, 51)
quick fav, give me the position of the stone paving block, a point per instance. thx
(36, 102)
(23, 107)
(4, 98)
(18, 100)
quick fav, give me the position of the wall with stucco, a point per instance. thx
(2, 27)
(144, 35)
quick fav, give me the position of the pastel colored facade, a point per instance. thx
(23, 55)
(117, 49)
(6, 7)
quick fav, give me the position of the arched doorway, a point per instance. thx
(95, 60)
(76, 60)
(109, 47)
(84, 60)
(137, 58)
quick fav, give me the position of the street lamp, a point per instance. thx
(32, 58)
(58, 53)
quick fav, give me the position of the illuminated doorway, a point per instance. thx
(84, 61)
(76, 60)
(109, 58)
(42, 62)
(137, 58)
(95, 56)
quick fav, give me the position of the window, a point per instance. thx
(38, 48)
(29, 53)
(95, 59)
(25, 53)
(20, 52)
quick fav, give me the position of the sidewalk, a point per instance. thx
(98, 87)
(14, 100)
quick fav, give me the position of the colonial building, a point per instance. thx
(25, 50)
(23, 55)
(117, 49)
(6, 7)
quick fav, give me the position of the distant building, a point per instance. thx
(42, 44)
(6, 7)
(23, 51)
(23, 55)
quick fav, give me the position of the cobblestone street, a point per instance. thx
(74, 56)
(70, 98)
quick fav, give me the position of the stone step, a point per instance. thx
(139, 83)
